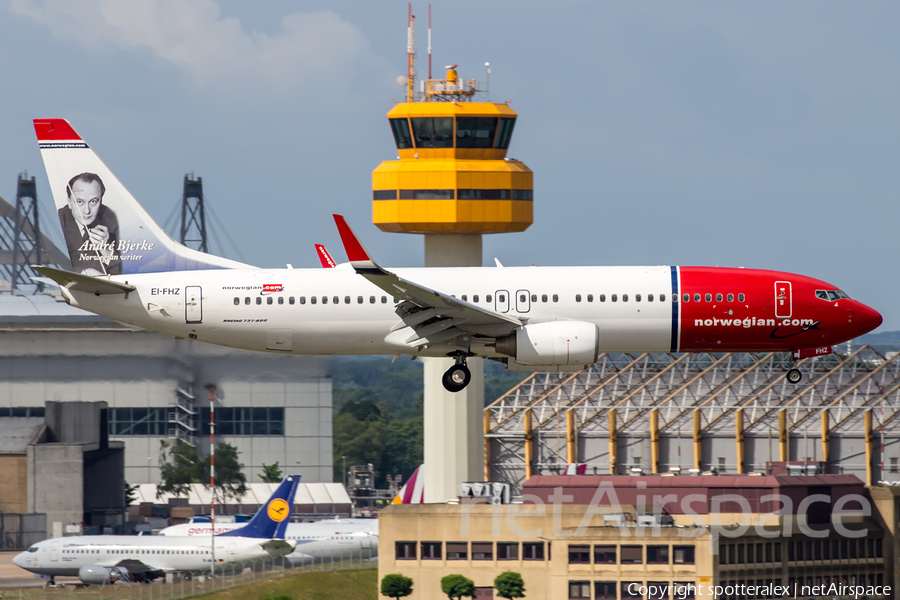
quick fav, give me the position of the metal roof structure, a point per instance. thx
(257, 494)
(722, 406)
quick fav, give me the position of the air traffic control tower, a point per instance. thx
(452, 183)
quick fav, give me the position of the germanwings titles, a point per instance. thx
(529, 318)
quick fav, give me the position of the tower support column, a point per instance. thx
(453, 422)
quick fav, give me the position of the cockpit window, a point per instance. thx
(831, 295)
(33, 549)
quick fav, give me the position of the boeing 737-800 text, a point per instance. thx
(530, 318)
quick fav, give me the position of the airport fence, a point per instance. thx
(18, 531)
(187, 585)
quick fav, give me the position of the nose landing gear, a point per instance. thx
(794, 376)
(457, 377)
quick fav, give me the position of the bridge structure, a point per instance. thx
(729, 413)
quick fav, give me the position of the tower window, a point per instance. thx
(433, 132)
(475, 132)
(505, 133)
(400, 129)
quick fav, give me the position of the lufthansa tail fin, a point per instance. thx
(107, 232)
(271, 520)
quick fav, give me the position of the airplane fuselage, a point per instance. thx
(66, 556)
(637, 309)
(323, 540)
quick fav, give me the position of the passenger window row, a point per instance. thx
(709, 297)
(312, 300)
(616, 297)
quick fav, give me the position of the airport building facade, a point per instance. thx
(272, 408)
(660, 537)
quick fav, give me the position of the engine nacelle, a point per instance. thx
(97, 574)
(554, 343)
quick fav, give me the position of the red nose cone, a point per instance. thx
(866, 319)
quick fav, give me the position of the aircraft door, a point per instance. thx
(54, 551)
(193, 307)
(783, 300)
(523, 301)
(501, 301)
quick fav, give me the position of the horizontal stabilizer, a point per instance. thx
(77, 282)
(278, 546)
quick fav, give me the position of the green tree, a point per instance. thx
(230, 480)
(178, 464)
(271, 473)
(457, 586)
(509, 584)
(130, 493)
(395, 585)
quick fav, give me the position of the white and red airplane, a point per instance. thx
(530, 318)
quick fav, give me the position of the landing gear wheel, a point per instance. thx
(794, 376)
(456, 378)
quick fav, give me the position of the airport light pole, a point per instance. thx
(211, 389)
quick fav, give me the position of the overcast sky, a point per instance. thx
(757, 134)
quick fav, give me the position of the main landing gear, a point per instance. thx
(457, 377)
(794, 376)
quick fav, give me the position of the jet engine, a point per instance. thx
(99, 575)
(553, 343)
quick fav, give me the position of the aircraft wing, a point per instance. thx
(84, 283)
(433, 316)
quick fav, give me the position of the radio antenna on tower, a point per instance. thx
(411, 58)
(429, 41)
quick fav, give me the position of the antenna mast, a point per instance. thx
(411, 59)
(429, 41)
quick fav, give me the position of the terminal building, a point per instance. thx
(272, 408)
(622, 537)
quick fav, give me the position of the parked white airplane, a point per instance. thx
(323, 540)
(101, 559)
(531, 319)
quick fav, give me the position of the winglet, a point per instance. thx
(325, 257)
(357, 254)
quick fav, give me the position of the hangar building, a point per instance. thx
(273, 408)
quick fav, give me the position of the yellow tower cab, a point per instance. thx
(452, 174)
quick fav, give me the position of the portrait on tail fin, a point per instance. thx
(90, 227)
